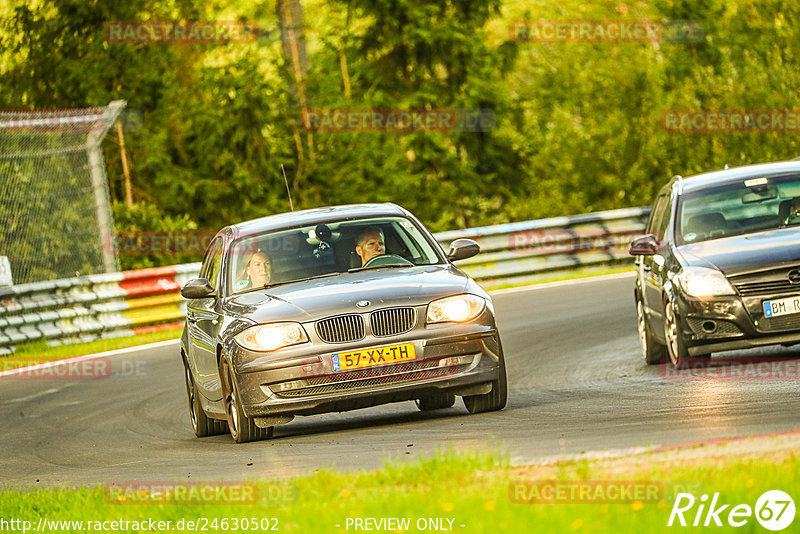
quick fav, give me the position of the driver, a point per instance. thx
(370, 244)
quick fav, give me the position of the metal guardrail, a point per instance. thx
(93, 307)
(133, 302)
(523, 252)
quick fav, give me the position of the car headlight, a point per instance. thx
(457, 309)
(273, 336)
(702, 282)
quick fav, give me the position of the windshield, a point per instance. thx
(746, 206)
(313, 251)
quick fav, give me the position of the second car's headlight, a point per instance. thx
(702, 282)
(267, 337)
(457, 309)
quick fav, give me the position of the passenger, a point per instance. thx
(370, 244)
(257, 272)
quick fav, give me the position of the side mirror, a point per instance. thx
(197, 288)
(461, 249)
(644, 245)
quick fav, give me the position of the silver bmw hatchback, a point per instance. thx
(334, 309)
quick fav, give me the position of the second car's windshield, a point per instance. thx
(312, 251)
(746, 206)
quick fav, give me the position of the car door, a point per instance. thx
(652, 269)
(204, 320)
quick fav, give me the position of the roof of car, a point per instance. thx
(712, 179)
(315, 215)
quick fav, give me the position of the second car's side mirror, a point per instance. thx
(197, 288)
(461, 249)
(644, 245)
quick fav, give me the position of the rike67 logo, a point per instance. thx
(774, 510)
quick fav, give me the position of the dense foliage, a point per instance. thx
(578, 125)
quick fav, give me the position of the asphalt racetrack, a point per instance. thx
(577, 382)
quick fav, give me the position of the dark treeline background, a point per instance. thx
(578, 125)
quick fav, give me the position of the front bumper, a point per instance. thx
(461, 359)
(732, 323)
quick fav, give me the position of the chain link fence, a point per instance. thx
(55, 210)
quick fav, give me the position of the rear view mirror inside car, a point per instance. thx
(760, 194)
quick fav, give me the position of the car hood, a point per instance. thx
(746, 253)
(322, 297)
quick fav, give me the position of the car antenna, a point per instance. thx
(291, 204)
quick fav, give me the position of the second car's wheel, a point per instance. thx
(202, 424)
(242, 428)
(435, 402)
(492, 401)
(653, 351)
(676, 345)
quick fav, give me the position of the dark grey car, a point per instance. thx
(285, 321)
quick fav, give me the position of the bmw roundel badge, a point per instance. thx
(362, 303)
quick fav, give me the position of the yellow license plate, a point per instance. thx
(355, 359)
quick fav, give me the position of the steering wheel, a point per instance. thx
(385, 260)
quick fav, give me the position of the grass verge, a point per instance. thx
(459, 492)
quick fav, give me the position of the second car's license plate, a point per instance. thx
(354, 359)
(774, 308)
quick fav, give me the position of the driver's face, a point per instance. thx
(370, 247)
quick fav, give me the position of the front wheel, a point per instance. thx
(242, 428)
(492, 401)
(676, 345)
(653, 351)
(202, 424)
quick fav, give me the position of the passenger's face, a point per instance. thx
(259, 270)
(370, 247)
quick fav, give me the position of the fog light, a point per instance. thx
(287, 386)
(453, 361)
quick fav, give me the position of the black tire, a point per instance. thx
(435, 402)
(202, 424)
(495, 399)
(242, 428)
(676, 345)
(653, 351)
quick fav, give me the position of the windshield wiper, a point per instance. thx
(356, 269)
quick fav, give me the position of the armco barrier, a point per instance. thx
(132, 302)
(93, 307)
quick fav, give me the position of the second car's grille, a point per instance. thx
(341, 329)
(748, 289)
(765, 283)
(391, 321)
